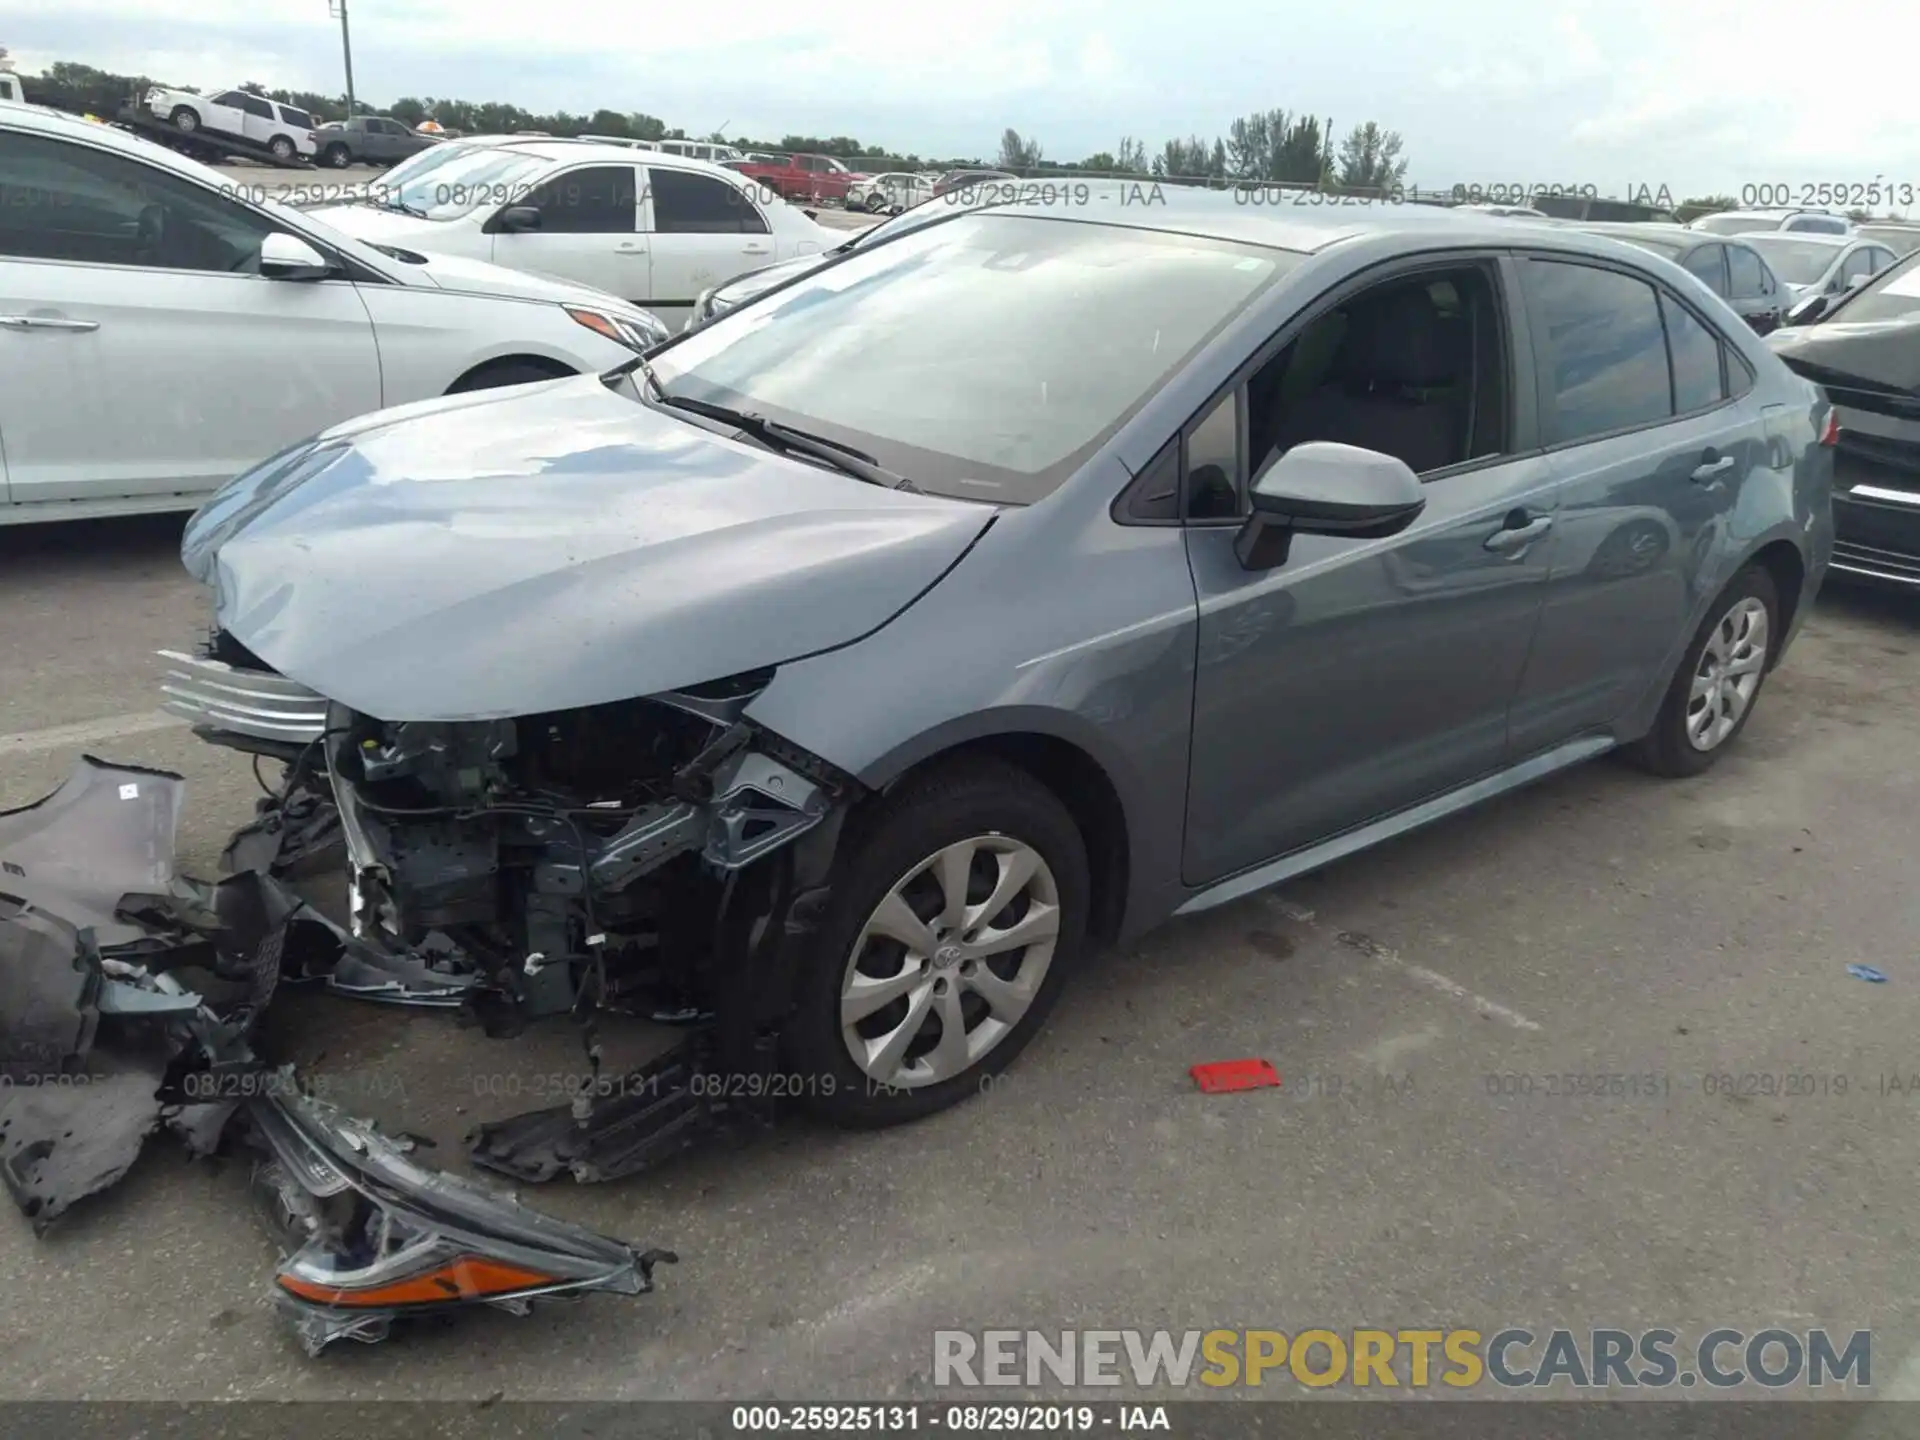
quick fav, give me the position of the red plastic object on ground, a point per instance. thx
(1222, 1076)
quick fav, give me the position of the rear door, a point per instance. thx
(702, 232)
(259, 123)
(589, 231)
(1647, 416)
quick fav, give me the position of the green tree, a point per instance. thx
(1370, 159)
(1693, 209)
(1131, 158)
(1019, 152)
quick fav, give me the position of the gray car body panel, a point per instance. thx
(1056, 619)
(1109, 662)
(555, 546)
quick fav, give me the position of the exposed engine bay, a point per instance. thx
(659, 857)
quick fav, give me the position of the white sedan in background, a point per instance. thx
(890, 193)
(653, 228)
(161, 330)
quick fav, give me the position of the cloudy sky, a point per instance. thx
(1696, 95)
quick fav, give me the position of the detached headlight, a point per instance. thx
(636, 329)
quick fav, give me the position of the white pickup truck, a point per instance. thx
(284, 130)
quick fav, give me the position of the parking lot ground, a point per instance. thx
(1602, 923)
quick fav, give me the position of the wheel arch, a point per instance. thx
(1783, 561)
(1059, 762)
(523, 359)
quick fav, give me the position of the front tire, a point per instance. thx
(1714, 691)
(505, 372)
(336, 155)
(958, 912)
(185, 119)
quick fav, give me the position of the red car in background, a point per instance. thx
(802, 177)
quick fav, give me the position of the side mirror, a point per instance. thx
(1856, 282)
(517, 219)
(288, 257)
(1808, 310)
(1321, 488)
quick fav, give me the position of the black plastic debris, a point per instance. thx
(129, 996)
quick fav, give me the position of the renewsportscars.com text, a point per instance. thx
(1510, 1358)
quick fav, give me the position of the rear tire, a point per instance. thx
(280, 147)
(985, 829)
(1718, 683)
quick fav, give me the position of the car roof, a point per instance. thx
(1235, 215)
(1816, 237)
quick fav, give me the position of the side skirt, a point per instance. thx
(1274, 872)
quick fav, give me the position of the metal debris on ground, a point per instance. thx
(1867, 973)
(129, 995)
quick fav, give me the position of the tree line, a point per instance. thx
(1271, 145)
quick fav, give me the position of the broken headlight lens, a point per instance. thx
(374, 1235)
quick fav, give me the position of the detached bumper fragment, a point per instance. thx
(128, 1000)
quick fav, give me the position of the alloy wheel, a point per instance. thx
(949, 962)
(1724, 682)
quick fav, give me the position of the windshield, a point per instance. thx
(431, 158)
(1893, 294)
(482, 177)
(983, 358)
(1798, 262)
(1735, 224)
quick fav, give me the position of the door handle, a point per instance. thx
(753, 249)
(1712, 470)
(627, 247)
(45, 322)
(1516, 538)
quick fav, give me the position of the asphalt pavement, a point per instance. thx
(1600, 923)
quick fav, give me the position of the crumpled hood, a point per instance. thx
(552, 546)
(755, 283)
(1883, 353)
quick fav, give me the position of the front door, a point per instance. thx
(1362, 676)
(589, 232)
(140, 351)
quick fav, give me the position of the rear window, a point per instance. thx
(297, 117)
(1798, 262)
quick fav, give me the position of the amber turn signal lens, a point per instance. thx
(471, 1277)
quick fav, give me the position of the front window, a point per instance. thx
(483, 178)
(983, 358)
(1798, 262)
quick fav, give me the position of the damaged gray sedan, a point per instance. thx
(830, 679)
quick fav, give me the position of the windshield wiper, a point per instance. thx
(394, 202)
(844, 458)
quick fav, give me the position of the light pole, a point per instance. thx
(339, 7)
